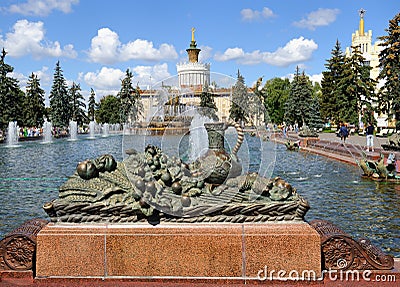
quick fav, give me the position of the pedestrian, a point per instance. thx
(343, 132)
(370, 137)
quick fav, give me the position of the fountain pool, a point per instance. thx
(31, 174)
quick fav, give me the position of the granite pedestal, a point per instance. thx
(168, 251)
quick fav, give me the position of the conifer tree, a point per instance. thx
(131, 105)
(330, 103)
(11, 96)
(207, 104)
(315, 121)
(34, 107)
(239, 110)
(91, 105)
(298, 104)
(77, 104)
(389, 63)
(356, 86)
(60, 104)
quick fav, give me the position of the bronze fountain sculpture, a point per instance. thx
(154, 187)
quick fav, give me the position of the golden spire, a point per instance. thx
(361, 12)
(193, 29)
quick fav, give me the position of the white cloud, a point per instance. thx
(230, 54)
(251, 15)
(144, 50)
(42, 7)
(106, 78)
(320, 17)
(107, 49)
(107, 81)
(29, 38)
(157, 72)
(104, 47)
(295, 51)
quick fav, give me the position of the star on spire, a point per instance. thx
(361, 12)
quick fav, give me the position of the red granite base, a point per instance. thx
(237, 252)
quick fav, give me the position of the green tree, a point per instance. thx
(330, 94)
(91, 105)
(34, 107)
(275, 94)
(77, 103)
(11, 96)
(389, 63)
(207, 104)
(298, 104)
(108, 110)
(60, 103)
(131, 105)
(356, 86)
(315, 121)
(239, 110)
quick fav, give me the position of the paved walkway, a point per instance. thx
(354, 139)
(330, 145)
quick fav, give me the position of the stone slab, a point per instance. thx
(282, 250)
(197, 251)
(172, 250)
(70, 251)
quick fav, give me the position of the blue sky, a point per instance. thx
(97, 40)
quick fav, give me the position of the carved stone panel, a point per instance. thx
(18, 248)
(341, 252)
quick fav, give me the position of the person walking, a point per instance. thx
(370, 137)
(344, 133)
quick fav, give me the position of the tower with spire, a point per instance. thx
(193, 74)
(363, 40)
